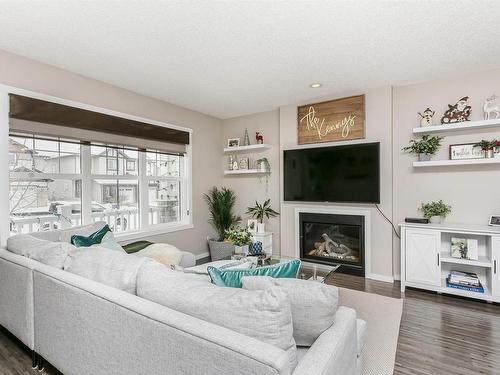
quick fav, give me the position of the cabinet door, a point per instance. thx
(495, 242)
(422, 256)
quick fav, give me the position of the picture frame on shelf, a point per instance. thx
(459, 248)
(233, 142)
(494, 220)
(252, 225)
(465, 151)
(244, 163)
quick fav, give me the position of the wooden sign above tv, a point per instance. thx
(334, 120)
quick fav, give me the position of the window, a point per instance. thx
(50, 178)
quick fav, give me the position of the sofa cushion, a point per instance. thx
(51, 253)
(106, 266)
(232, 277)
(263, 314)
(361, 333)
(163, 253)
(85, 230)
(92, 239)
(313, 304)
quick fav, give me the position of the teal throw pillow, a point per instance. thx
(232, 277)
(94, 238)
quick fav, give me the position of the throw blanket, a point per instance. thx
(163, 253)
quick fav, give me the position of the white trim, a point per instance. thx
(202, 255)
(338, 211)
(140, 234)
(385, 279)
(397, 277)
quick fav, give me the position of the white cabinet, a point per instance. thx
(422, 256)
(495, 279)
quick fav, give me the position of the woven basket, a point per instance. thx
(220, 250)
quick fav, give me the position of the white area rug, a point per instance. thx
(383, 315)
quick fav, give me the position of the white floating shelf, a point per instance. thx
(444, 163)
(244, 171)
(259, 147)
(481, 262)
(466, 125)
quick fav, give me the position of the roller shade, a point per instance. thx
(29, 115)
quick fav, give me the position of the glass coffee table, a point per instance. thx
(307, 271)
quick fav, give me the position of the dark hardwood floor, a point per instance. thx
(439, 335)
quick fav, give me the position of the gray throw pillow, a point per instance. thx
(313, 304)
(264, 314)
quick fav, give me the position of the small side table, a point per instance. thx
(267, 241)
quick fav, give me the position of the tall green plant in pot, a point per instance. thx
(261, 211)
(221, 210)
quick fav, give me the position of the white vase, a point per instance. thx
(241, 249)
(261, 227)
(436, 219)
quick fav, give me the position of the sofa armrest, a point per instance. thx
(188, 260)
(335, 351)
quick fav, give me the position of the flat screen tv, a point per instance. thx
(348, 173)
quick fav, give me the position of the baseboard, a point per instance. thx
(202, 255)
(397, 277)
(374, 276)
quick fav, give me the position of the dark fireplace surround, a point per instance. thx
(332, 239)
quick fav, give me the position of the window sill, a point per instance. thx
(142, 234)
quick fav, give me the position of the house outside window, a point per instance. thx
(49, 180)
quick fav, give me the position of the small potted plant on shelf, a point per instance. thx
(259, 211)
(425, 147)
(220, 207)
(263, 165)
(488, 147)
(435, 211)
(240, 238)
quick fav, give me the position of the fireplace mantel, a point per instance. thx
(337, 211)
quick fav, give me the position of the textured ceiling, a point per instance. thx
(229, 58)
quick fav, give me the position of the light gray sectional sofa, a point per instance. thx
(85, 327)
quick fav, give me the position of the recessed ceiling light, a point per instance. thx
(315, 85)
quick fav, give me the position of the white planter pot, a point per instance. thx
(436, 219)
(241, 249)
(424, 157)
(261, 227)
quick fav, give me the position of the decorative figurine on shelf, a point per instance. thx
(490, 107)
(235, 165)
(426, 117)
(246, 138)
(230, 162)
(459, 112)
(259, 138)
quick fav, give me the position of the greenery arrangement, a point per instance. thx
(427, 145)
(259, 211)
(265, 162)
(220, 206)
(435, 208)
(488, 145)
(238, 236)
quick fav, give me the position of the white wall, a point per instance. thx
(251, 188)
(28, 74)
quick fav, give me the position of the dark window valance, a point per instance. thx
(41, 111)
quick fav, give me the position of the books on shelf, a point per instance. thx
(464, 280)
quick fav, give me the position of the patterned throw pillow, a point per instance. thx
(232, 277)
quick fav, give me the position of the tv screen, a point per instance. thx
(348, 173)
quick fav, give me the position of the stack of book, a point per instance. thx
(465, 281)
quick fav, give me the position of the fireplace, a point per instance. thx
(332, 239)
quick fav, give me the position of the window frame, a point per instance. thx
(186, 219)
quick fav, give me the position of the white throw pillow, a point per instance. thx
(264, 314)
(47, 252)
(163, 253)
(111, 245)
(314, 304)
(106, 266)
(86, 230)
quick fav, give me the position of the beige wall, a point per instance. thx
(251, 188)
(473, 192)
(31, 75)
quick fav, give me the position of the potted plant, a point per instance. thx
(240, 238)
(263, 165)
(425, 147)
(259, 211)
(488, 147)
(220, 207)
(435, 211)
